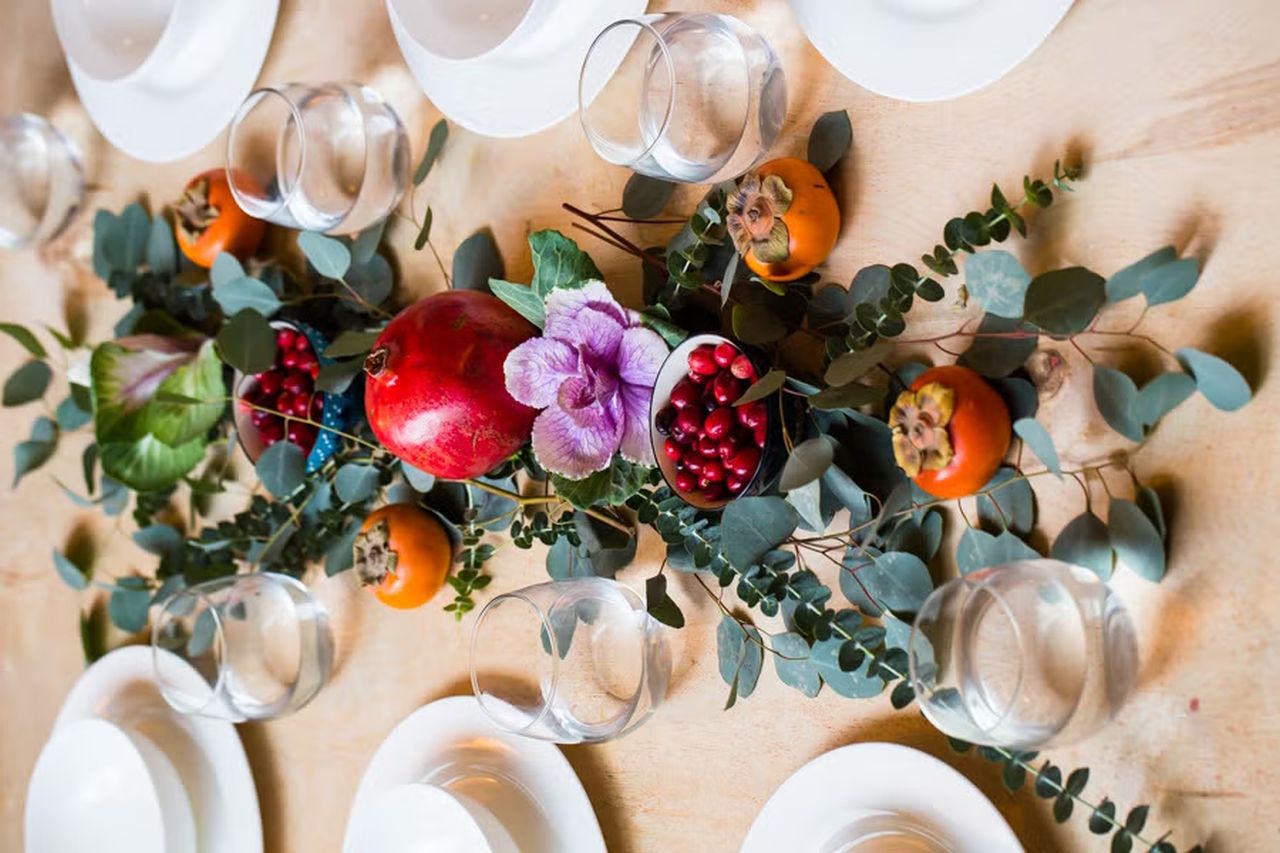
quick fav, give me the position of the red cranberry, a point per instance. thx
(301, 344)
(702, 360)
(728, 446)
(685, 394)
(682, 435)
(317, 406)
(305, 362)
(745, 461)
(742, 368)
(271, 432)
(761, 433)
(725, 388)
(752, 415)
(690, 420)
(303, 435)
(713, 471)
(735, 483)
(719, 423)
(285, 339)
(707, 446)
(269, 382)
(314, 370)
(673, 449)
(725, 353)
(296, 383)
(289, 358)
(693, 463)
(686, 482)
(258, 417)
(664, 419)
(712, 491)
(284, 403)
(302, 405)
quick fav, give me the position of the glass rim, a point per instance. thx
(44, 230)
(594, 138)
(517, 595)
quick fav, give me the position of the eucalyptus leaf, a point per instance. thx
(158, 539)
(1127, 282)
(247, 342)
(367, 242)
(355, 483)
(1007, 502)
(1117, 400)
(751, 527)
(72, 575)
(766, 385)
(849, 396)
(898, 581)
(339, 557)
(979, 550)
(1170, 282)
(27, 383)
(1149, 502)
(128, 607)
(1162, 395)
(871, 284)
(791, 661)
(757, 324)
(1136, 540)
(998, 282)
(435, 144)
(659, 604)
(1037, 438)
(1064, 302)
(352, 342)
(421, 481)
(70, 416)
(558, 262)
(996, 357)
(521, 299)
(807, 500)
(831, 137)
(162, 253)
(476, 261)
(331, 258)
(851, 366)
(858, 684)
(337, 377)
(424, 233)
(1085, 542)
(23, 335)
(1022, 398)
(645, 197)
(132, 233)
(1219, 382)
(282, 468)
(226, 268)
(807, 463)
(371, 281)
(739, 654)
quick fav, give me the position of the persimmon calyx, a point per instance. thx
(193, 213)
(919, 421)
(373, 557)
(755, 209)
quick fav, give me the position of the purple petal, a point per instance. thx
(589, 406)
(563, 447)
(636, 444)
(564, 304)
(536, 369)
(595, 333)
(640, 356)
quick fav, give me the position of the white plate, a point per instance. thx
(513, 93)
(822, 797)
(162, 124)
(527, 784)
(207, 753)
(927, 50)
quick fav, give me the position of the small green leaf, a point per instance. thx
(903, 695)
(352, 343)
(1077, 780)
(339, 557)
(337, 377)
(247, 342)
(1219, 382)
(424, 233)
(849, 396)
(331, 258)
(476, 261)
(644, 197)
(521, 299)
(1137, 819)
(158, 539)
(23, 336)
(370, 283)
(131, 235)
(435, 144)
(998, 282)
(70, 416)
(355, 483)
(226, 268)
(366, 244)
(421, 481)
(1048, 782)
(71, 574)
(898, 581)
(930, 291)
(1064, 302)
(757, 324)
(89, 465)
(831, 137)
(996, 357)
(27, 383)
(1170, 282)
(659, 604)
(856, 684)
(1161, 396)
(162, 254)
(767, 385)
(1007, 502)
(851, 366)
(1149, 502)
(1100, 822)
(1127, 282)
(1121, 842)
(1062, 808)
(1085, 542)
(1014, 776)
(1117, 400)
(752, 527)
(1136, 540)
(128, 606)
(978, 550)
(791, 661)
(1037, 438)
(807, 463)
(281, 468)
(740, 655)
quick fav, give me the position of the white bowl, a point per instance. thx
(417, 818)
(470, 29)
(99, 787)
(130, 40)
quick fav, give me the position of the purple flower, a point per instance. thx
(592, 374)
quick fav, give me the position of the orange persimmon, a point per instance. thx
(207, 221)
(783, 219)
(404, 553)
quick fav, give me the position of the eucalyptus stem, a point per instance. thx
(532, 500)
(348, 436)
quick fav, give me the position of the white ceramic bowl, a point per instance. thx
(419, 818)
(99, 787)
(128, 40)
(470, 29)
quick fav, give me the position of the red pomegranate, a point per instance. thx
(435, 394)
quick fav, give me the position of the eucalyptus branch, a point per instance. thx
(532, 500)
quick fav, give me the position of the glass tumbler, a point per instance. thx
(573, 661)
(41, 181)
(332, 157)
(1027, 655)
(259, 642)
(696, 98)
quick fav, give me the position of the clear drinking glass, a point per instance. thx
(574, 661)
(697, 97)
(1026, 655)
(260, 642)
(41, 181)
(332, 157)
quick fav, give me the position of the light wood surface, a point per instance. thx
(1176, 106)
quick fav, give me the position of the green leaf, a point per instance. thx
(72, 575)
(998, 282)
(897, 580)
(645, 197)
(165, 387)
(558, 262)
(36, 450)
(757, 324)
(1170, 282)
(371, 281)
(1077, 780)
(1062, 808)
(367, 242)
(1100, 822)
(995, 357)
(851, 366)
(930, 291)
(657, 318)
(1149, 502)
(424, 233)
(339, 557)
(1037, 438)
(247, 343)
(337, 377)
(979, 550)
(791, 661)
(70, 416)
(435, 144)
(158, 539)
(355, 483)
(659, 604)
(1137, 819)
(903, 695)
(282, 468)
(1127, 282)
(1014, 776)
(1064, 302)
(1085, 542)
(1136, 540)
(89, 466)
(162, 253)
(128, 606)
(23, 336)
(1007, 502)
(752, 527)
(740, 658)
(1117, 400)
(831, 137)
(765, 386)
(352, 342)
(148, 464)
(858, 684)
(226, 268)
(1121, 842)
(1048, 782)
(1161, 396)
(331, 258)
(611, 486)
(27, 383)
(849, 396)
(807, 500)
(1219, 382)
(521, 299)
(131, 234)
(421, 481)
(476, 261)
(807, 463)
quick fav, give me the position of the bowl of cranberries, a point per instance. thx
(282, 403)
(709, 450)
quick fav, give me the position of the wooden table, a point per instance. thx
(1176, 107)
